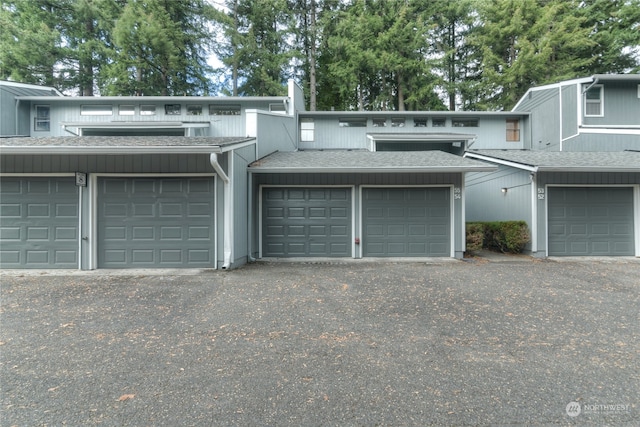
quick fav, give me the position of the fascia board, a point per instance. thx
(114, 150)
(452, 169)
(529, 168)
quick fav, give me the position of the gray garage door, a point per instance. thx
(306, 222)
(38, 223)
(150, 222)
(590, 221)
(406, 222)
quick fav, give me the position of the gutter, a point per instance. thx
(228, 211)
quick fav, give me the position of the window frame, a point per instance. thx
(194, 110)
(148, 109)
(418, 122)
(465, 122)
(173, 109)
(126, 112)
(96, 110)
(39, 122)
(379, 122)
(513, 133)
(600, 101)
(352, 122)
(225, 109)
(307, 129)
(439, 122)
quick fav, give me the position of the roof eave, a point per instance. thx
(420, 169)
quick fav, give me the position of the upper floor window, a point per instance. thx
(277, 108)
(224, 110)
(307, 129)
(96, 110)
(464, 123)
(593, 100)
(352, 122)
(397, 122)
(126, 110)
(172, 109)
(439, 122)
(379, 122)
(42, 120)
(194, 110)
(420, 122)
(147, 110)
(513, 130)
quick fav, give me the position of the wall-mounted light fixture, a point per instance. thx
(504, 190)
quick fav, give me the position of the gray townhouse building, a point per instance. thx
(215, 182)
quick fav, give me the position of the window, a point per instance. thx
(397, 123)
(96, 110)
(379, 123)
(352, 122)
(277, 108)
(464, 123)
(420, 122)
(513, 130)
(439, 122)
(593, 101)
(126, 110)
(42, 120)
(307, 129)
(224, 110)
(172, 109)
(194, 110)
(147, 110)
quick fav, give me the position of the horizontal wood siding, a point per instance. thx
(151, 163)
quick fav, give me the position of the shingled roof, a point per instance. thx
(554, 161)
(337, 161)
(118, 144)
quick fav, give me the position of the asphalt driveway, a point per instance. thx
(452, 343)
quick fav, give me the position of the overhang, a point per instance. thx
(362, 161)
(421, 137)
(122, 145)
(561, 161)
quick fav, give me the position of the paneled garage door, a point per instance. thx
(38, 223)
(306, 222)
(151, 222)
(406, 222)
(590, 221)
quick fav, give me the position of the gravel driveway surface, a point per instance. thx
(306, 344)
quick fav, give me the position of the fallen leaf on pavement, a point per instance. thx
(126, 397)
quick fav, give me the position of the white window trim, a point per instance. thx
(584, 101)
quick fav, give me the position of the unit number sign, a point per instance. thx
(540, 193)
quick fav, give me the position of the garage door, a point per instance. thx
(590, 221)
(38, 223)
(406, 222)
(149, 222)
(306, 222)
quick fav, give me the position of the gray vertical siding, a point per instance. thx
(602, 142)
(569, 111)
(328, 134)
(274, 132)
(241, 159)
(621, 105)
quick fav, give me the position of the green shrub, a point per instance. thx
(503, 236)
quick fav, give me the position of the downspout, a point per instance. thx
(228, 232)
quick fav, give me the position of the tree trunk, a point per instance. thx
(312, 59)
